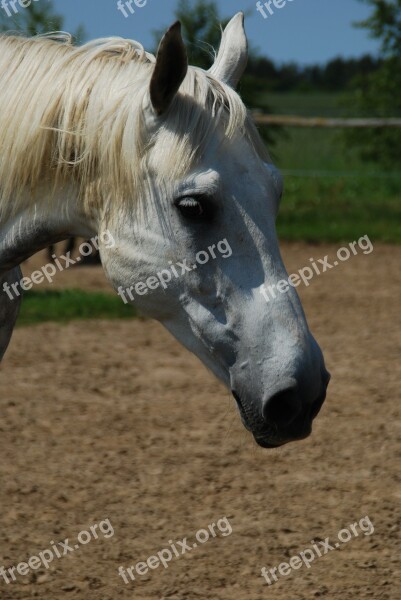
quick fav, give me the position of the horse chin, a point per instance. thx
(274, 439)
(268, 442)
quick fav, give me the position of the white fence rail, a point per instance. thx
(323, 122)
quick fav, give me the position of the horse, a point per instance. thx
(107, 139)
(92, 259)
(69, 249)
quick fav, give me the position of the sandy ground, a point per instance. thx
(114, 420)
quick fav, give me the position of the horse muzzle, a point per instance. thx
(285, 415)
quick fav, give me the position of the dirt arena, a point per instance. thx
(114, 420)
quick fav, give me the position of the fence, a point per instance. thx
(296, 121)
(328, 123)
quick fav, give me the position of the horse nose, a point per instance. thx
(289, 413)
(283, 407)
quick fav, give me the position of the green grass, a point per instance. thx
(63, 306)
(308, 104)
(340, 210)
(330, 193)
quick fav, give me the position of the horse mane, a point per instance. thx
(75, 112)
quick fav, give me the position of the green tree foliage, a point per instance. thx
(379, 93)
(201, 29)
(39, 17)
(337, 74)
(385, 25)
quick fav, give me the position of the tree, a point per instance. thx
(34, 19)
(379, 93)
(201, 29)
(385, 24)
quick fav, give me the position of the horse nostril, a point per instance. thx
(282, 408)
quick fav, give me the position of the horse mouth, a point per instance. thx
(263, 436)
(266, 444)
(242, 412)
(272, 442)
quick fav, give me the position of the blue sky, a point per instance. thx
(304, 31)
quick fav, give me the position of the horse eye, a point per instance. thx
(192, 208)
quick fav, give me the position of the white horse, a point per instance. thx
(162, 156)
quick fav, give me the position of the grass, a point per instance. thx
(63, 306)
(330, 193)
(308, 104)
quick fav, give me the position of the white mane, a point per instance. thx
(74, 113)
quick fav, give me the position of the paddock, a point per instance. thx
(115, 420)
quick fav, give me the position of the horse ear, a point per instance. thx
(232, 57)
(170, 69)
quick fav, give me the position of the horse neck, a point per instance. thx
(35, 228)
(37, 218)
